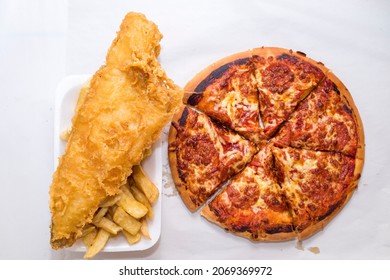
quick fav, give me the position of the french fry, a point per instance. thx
(110, 201)
(143, 183)
(112, 209)
(126, 212)
(132, 206)
(89, 237)
(132, 239)
(87, 229)
(140, 196)
(126, 190)
(108, 225)
(144, 229)
(98, 243)
(127, 222)
(100, 214)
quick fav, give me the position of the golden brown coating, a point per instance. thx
(129, 102)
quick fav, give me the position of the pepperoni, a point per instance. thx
(245, 198)
(220, 210)
(278, 77)
(204, 147)
(274, 201)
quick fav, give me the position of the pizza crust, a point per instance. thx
(274, 51)
(305, 234)
(320, 225)
(282, 236)
(360, 153)
(185, 194)
(190, 87)
(347, 98)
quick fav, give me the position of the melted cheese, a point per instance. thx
(231, 159)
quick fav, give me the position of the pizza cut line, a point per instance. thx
(232, 99)
(321, 122)
(269, 143)
(204, 155)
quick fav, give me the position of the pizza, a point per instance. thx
(204, 155)
(316, 184)
(252, 204)
(283, 80)
(269, 144)
(232, 99)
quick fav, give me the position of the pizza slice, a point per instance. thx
(252, 204)
(229, 95)
(283, 79)
(203, 155)
(316, 184)
(323, 121)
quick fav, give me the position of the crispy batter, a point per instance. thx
(129, 102)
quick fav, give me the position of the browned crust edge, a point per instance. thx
(360, 153)
(319, 226)
(347, 97)
(276, 237)
(305, 234)
(172, 158)
(190, 87)
(359, 157)
(275, 51)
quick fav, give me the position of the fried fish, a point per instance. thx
(129, 101)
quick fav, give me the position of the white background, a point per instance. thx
(43, 41)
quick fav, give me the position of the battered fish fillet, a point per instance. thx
(129, 102)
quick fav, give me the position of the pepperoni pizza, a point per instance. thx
(276, 135)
